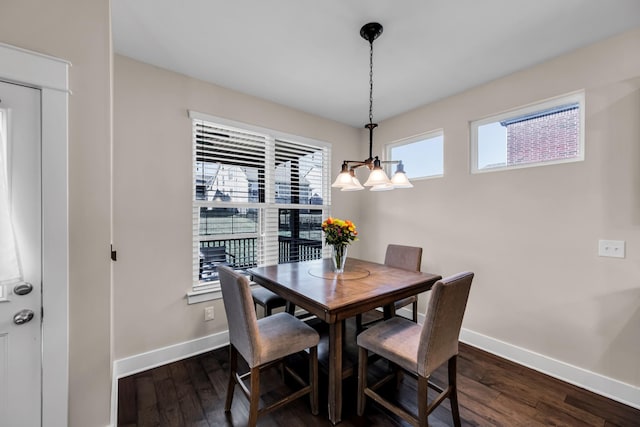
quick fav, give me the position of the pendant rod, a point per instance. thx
(370, 32)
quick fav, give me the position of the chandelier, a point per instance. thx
(378, 179)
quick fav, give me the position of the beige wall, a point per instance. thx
(531, 235)
(152, 196)
(78, 31)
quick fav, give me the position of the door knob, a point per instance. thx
(23, 316)
(23, 288)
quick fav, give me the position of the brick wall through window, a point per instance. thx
(548, 137)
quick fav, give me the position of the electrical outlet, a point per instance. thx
(611, 248)
(208, 313)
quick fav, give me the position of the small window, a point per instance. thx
(421, 156)
(546, 133)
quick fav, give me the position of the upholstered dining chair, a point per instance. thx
(407, 258)
(262, 343)
(267, 300)
(419, 350)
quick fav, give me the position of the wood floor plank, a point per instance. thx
(483, 415)
(565, 415)
(148, 414)
(613, 412)
(492, 392)
(515, 389)
(217, 370)
(128, 408)
(209, 400)
(516, 410)
(168, 406)
(471, 418)
(188, 398)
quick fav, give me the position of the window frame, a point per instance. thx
(411, 140)
(209, 290)
(577, 97)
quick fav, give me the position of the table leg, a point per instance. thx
(335, 372)
(388, 311)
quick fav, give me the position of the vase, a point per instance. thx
(339, 256)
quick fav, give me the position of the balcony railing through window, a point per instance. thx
(241, 254)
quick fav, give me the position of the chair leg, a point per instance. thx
(313, 379)
(233, 368)
(423, 403)
(399, 375)
(362, 380)
(254, 397)
(453, 397)
(358, 323)
(415, 311)
(290, 308)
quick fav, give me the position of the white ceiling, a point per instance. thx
(309, 55)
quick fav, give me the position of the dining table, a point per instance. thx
(333, 297)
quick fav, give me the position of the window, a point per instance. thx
(422, 156)
(9, 262)
(259, 197)
(546, 133)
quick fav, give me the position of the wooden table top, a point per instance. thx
(363, 286)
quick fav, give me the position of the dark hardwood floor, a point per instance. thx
(492, 392)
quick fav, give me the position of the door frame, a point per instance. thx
(51, 76)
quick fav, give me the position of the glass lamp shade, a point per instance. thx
(354, 186)
(400, 180)
(377, 177)
(343, 180)
(382, 187)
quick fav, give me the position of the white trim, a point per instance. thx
(597, 383)
(604, 386)
(202, 295)
(162, 356)
(51, 76)
(208, 292)
(33, 69)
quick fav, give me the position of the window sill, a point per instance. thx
(206, 293)
(210, 293)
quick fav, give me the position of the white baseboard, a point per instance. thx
(605, 386)
(161, 356)
(154, 358)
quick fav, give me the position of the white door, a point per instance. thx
(20, 308)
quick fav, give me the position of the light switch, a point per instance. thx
(611, 248)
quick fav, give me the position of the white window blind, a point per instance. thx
(301, 199)
(259, 198)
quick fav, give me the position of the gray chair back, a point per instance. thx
(405, 257)
(441, 329)
(241, 315)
